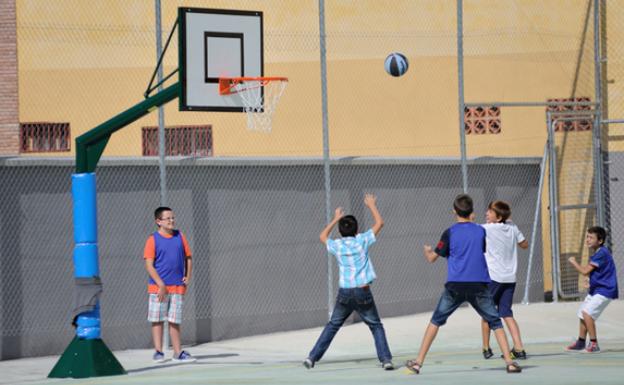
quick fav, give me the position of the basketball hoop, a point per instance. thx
(259, 96)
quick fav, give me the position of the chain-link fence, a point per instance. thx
(253, 203)
(612, 113)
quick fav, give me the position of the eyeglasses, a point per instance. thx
(171, 219)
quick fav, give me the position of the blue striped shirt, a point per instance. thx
(352, 255)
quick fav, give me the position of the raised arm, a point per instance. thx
(585, 270)
(371, 202)
(339, 213)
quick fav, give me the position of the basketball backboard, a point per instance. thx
(217, 43)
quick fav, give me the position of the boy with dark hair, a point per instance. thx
(356, 275)
(603, 288)
(502, 239)
(168, 262)
(463, 245)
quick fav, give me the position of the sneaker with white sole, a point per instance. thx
(592, 347)
(387, 365)
(158, 357)
(308, 363)
(576, 346)
(184, 356)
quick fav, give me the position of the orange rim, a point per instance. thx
(226, 84)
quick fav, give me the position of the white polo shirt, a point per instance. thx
(502, 250)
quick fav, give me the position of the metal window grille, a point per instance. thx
(482, 120)
(44, 137)
(179, 140)
(582, 124)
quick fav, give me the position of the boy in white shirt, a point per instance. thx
(502, 241)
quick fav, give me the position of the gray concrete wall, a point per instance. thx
(253, 226)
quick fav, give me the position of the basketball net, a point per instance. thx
(259, 97)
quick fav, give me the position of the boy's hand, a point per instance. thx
(370, 200)
(430, 254)
(339, 213)
(572, 260)
(162, 293)
(186, 280)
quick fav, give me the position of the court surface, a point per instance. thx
(455, 356)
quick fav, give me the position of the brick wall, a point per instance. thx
(9, 113)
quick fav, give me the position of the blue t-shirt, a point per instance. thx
(603, 279)
(463, 244)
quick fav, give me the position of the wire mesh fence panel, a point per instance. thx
(612, 68)
(509, 49)
(253, 203)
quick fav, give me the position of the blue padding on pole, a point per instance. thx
(85, 208)
(88, 324)
(86, 260)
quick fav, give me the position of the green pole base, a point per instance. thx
(86, 358)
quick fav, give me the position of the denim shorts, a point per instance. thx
(477, 294)
(503, 297)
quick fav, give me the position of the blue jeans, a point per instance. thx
(478, 295)
(349, 300)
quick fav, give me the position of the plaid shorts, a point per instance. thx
(168, 310)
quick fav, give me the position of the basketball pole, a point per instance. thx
(87, 355)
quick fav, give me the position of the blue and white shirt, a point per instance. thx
(352, 255)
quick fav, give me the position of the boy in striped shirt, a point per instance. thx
(356, 275)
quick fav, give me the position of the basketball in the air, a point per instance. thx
(396, 64)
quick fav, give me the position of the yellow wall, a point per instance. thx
(85, 61)
(84, 64)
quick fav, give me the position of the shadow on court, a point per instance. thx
(455, 356)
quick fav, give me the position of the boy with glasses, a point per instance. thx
(168, 262)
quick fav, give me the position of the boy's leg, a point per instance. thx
(342, 310)
(485, 337)
(174, 333)
(504, 301)
(483, 303)
(366, 309)
(501, 338)
(514, 330)
(589, 326)
(157, 314)
(174, 316)
(485, 334)
(430, 334)
(157, 335)
(448, 303)
(582, 329)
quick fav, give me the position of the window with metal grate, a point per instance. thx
(44, 137)
(179, 140)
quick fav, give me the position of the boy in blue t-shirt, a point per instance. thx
(603, 288)
(463, 245)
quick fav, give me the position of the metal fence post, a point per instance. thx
(326, 161)
(460, 83)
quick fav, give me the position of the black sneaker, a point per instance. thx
(518, 354)
(487, 353)
(387, 365)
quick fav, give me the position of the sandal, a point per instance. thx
(513, 368)
(413, 366)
